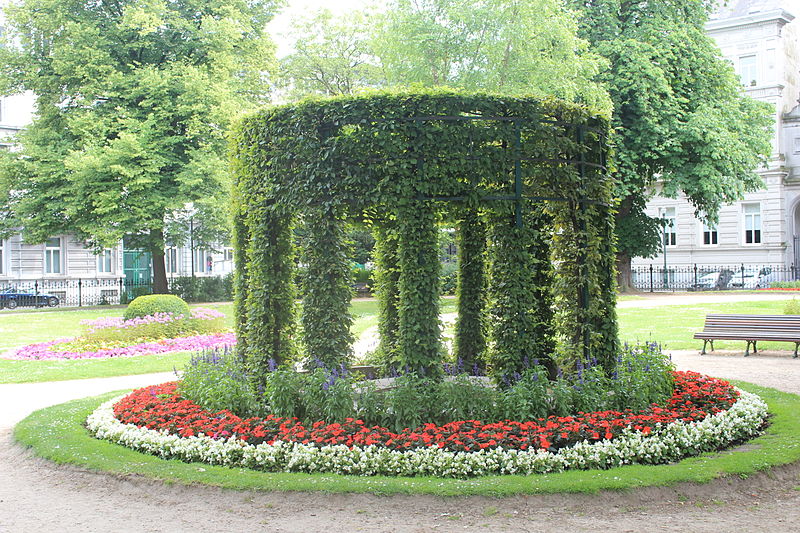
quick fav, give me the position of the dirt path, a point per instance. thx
(658, 299)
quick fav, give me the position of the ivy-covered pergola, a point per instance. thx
(522, 180)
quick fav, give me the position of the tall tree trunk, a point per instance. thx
(624, 273)
(159, 269)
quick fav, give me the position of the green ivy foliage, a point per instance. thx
(270, 305)
(387, 282)
(405, 162)
(470, 336)
(326, 315)
(418, 339)
(521, 305)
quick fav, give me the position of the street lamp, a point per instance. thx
(664, 242)
(191, 211)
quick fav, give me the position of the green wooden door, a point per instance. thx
(137, 266)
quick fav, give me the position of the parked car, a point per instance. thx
(766, 280)
(13, 298)
(747, 281)
(713, 281)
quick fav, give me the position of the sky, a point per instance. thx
(280, 24)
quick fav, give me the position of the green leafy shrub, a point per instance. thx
(151, 304)
(130, 295)
(361, 275)
(642, 377)
(216, 379)
(785, 285)
(203, 289)
(448, 278)
(792, 307)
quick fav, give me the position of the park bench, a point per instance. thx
(751, 329)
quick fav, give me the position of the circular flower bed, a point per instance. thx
(703, 414)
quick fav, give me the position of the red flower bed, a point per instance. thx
(160, 407)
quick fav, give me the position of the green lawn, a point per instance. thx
(58, 370)
(673, 326)
(57, 433)
(40, 325)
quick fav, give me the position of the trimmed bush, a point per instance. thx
(156, 303)
(203, 289)
(792, 307)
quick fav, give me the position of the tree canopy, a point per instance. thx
(514, 47)
(332, 56)
(681, 122)
(133, 99)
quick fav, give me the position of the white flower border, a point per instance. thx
(665, 444)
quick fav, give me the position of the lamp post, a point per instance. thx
(191, 242)
(664, 243)
(191, 211)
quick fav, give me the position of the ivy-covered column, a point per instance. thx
(270, 296)
(387, 280)
(239, 239)
(604, 315)
(419, 348)
(520, 296)
(470, 339)
(326, 315)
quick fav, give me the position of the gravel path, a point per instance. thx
(38, 496)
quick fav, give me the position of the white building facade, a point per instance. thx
(762, 40)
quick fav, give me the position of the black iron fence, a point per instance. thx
(744, 276)
(106, 291)
(69, 292)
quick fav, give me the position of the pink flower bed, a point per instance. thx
(49, 350)
(115, 322)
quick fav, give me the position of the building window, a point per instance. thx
(52, 256)
(748, 71)
(670, 237)
(171, 256)
(752, 223)
(199, 260)
(228, 254)
(710, 233)
(105, 262)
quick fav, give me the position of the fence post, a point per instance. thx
(742, 275)
(120, 291)
(651, 278)
(695, 276)
(36, 293)
(80, 293)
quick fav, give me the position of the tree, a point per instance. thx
(331, 56)
(681, 123)
(508, 46)
(133, 101)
